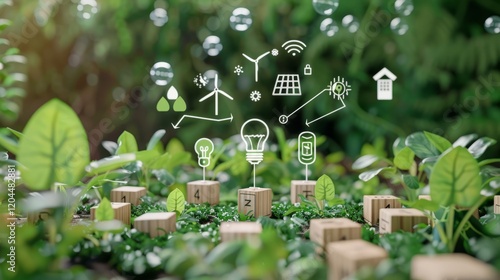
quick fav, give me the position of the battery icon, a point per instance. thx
(307, 148)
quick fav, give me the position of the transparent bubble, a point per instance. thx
(159, 17)
(212, 45)
(325, 7)
(161, 73)
(210, 75)
(213, 23)
(329, 27)
(492, 24)
(399, 26)
(87, 8)
(119, 94)
(404, 7)
(241, 19)
(350, 23)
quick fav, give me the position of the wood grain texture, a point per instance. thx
(122, 212)
(156, 224)
(203, 191)
(347, 257)
(451, 266)
(230, 231)
(497, 204)
(128, 194)
(373, 203)
(256, 201)
(394, 219)
(324, 231)
(305, 188)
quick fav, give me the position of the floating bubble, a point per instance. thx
(119, 94)
(329, 27)
(325, 7)
(399, 26)
(210, 75)
(161, 73)
(159, 17)
(350, 23)
(240, 19)
(212, 45)
(492, 25)
(404, 7)
(87, 8)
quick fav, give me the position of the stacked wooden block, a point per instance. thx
(373, 203)
(230, 231)
(128, 194)
(203, 192)
(255, 201)
(305, 188)
(405, 219)
(122, 212)
(156, 224)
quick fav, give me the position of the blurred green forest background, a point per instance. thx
(98, 59)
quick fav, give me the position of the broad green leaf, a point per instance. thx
(110, 176)
(126, 144)
(9, 144)
(404, 159)
(422, 204)
(155, 139)
(455, 179)
(364, 162)
(478, 148)
(54, 147)
(411, 181)
(18, 134)
(109, 163)
(325, 189)
(174, 146)
(464, 140)
(421, 146)
(368, 175)
(442, 144)
(104, 212)
(175, 202)
(398, 145)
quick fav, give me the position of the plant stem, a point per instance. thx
(466, 218)
(489, 161)
(449, 228)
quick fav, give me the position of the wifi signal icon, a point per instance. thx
(294, 46)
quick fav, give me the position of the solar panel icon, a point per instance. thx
(287, 85)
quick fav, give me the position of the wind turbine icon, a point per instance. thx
(216, 92)
(256, 62)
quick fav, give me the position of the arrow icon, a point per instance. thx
(176, 126)
(317, 119)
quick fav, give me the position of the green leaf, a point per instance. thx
(54, 147)
(398, 145)
(478, 148)
(4, 23)
(18, 134)
(104, 211)
(368, 175)
(155, 139)
(411, 181)
(421, 146)
(455, 179)
(126, 143)
(464, 140)
(175, 202)
(325, 189)
(8, 143)
(422, 204)
(109, 163)
(439, 142)
(365, 161)
(404, 159)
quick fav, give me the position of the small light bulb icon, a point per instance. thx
(254, 133)
(204, 148)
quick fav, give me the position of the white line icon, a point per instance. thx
(256, 62)
(307, 149)
(176, 126)
(294, 46)
(384, 86)
(255, 96)
(215, 93)
(287, 84)
(204, 148)
(254, 133)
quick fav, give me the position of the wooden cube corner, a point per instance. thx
(255, 201)
(156, 224)
(324, 231)
(122, 212)
(305, 188)
(373, 203)
(203, 191)
(128, 194)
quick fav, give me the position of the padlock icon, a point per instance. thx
(308, 70)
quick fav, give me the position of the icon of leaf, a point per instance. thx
(162, 105)
(179, 105)
(175, 202)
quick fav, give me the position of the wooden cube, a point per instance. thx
(305, 188)
(373, 203)
(451, 266)
(324, 231)
(497, 204)
(122, 212)
(34, 217)
(255, 201)
(347, 257)
(203, 191)
(128, 194)
(230, 231)
(394, 219)
(156, 224)
(428, 197)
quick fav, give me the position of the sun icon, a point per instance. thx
(238, 70)
(255, 96)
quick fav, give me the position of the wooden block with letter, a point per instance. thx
(497, 204)
(203, 191)
(256, 201)
(394, 219)
(305, 188)
(347, 257)
(128, 194)
(230, 231)
(122, 212)
(373, 203)
(324, 231)
(155, 224)
(451, 266)
(428, 197)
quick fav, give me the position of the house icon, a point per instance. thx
(384, 86)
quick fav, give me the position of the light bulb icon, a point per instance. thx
(204, 148)
(254, 133)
